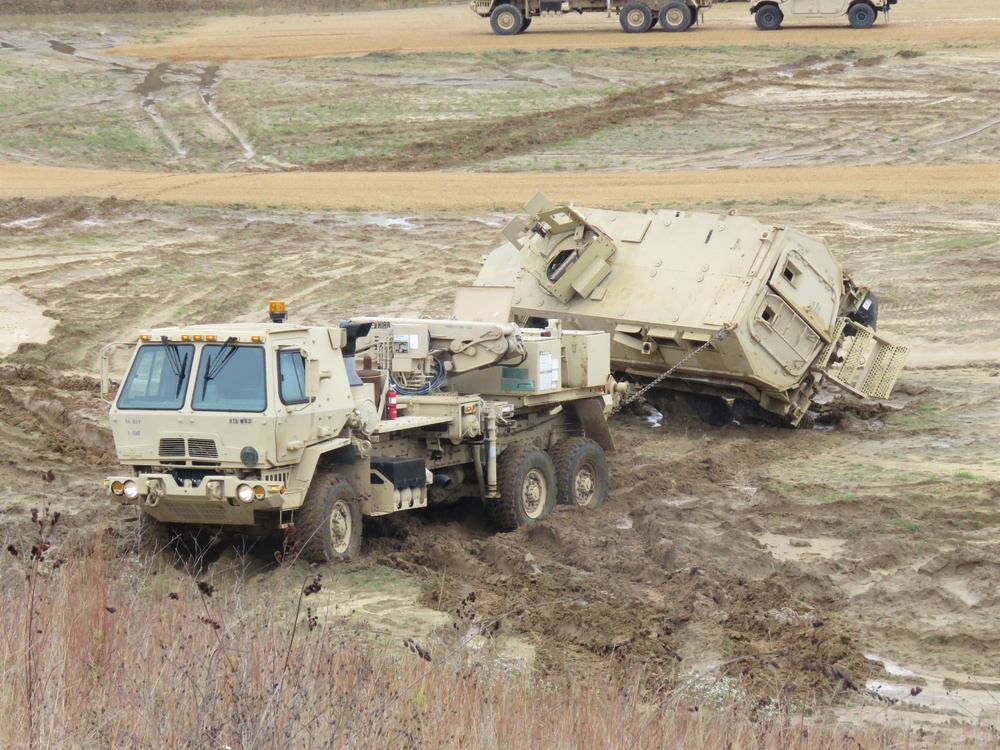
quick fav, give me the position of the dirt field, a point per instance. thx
(153, 176)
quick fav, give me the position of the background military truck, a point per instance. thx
(746, 320)
(509, 17)
(861, 14)
(252, 427)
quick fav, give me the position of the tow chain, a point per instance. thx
(719, 335)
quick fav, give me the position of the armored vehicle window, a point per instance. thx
(292, 377)
(230, 378)
(158, 378)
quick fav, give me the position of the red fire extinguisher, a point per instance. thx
(390, 404)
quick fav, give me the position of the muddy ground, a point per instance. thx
(872, 532)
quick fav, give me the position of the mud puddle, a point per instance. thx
(21, 322)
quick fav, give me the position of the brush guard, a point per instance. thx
(860, 361)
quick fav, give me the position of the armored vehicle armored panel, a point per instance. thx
(721, 307)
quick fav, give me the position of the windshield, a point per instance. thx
(158, 378)
(230, 378)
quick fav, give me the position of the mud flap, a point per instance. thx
(590, 412)
(868, 365)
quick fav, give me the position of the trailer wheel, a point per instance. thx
(861, 15)
(329, 521)
(507, 19)
(769, 17)
(527, 484)
(581, 473)
(675, 16)
(525, 25)
(636, 17)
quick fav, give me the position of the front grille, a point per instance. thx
(202, 448)
(172, 447)
(193, 447)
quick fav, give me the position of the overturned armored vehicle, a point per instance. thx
(746, 320)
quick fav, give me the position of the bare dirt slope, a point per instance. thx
(873, 531)
(481, 192)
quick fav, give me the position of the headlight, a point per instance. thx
(116, 487)
(258, 492)
(130, 489)
(244, 493)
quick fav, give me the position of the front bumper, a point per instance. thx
(213, 500)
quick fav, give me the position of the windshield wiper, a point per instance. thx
(178, 365)
(221, 360)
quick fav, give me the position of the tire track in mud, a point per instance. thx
(511, 136)
(156, 81)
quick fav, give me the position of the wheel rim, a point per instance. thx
(534, 490)
(635, 18)
(506, 21)
(585, 484)
(340, 527)
(675, 17)
(769, 18)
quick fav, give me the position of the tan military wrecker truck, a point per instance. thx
(250, 427)
(508, 17)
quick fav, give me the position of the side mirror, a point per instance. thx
(107, 354)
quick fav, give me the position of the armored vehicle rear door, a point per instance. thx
(809, 281)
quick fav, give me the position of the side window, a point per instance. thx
(292, 377)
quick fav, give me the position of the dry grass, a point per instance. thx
(95, 654)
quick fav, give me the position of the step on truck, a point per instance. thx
(509, 17)
(250, 428)
(744, 320)
(861, 14)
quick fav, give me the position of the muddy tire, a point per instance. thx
(507, 20)
(636, 17)
(746, 411)
(329, 521)
(581, 473)
(768, 17)
(861, 16)
(526, 479)
(676, 16)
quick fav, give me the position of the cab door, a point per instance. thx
(293, 410)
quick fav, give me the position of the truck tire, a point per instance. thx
(329, 521)
(581, 473)
(636, 17)
(507, 19)
(527, 484)
(862, 15)
(525, 25)
(676, 16)
(769, 17)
